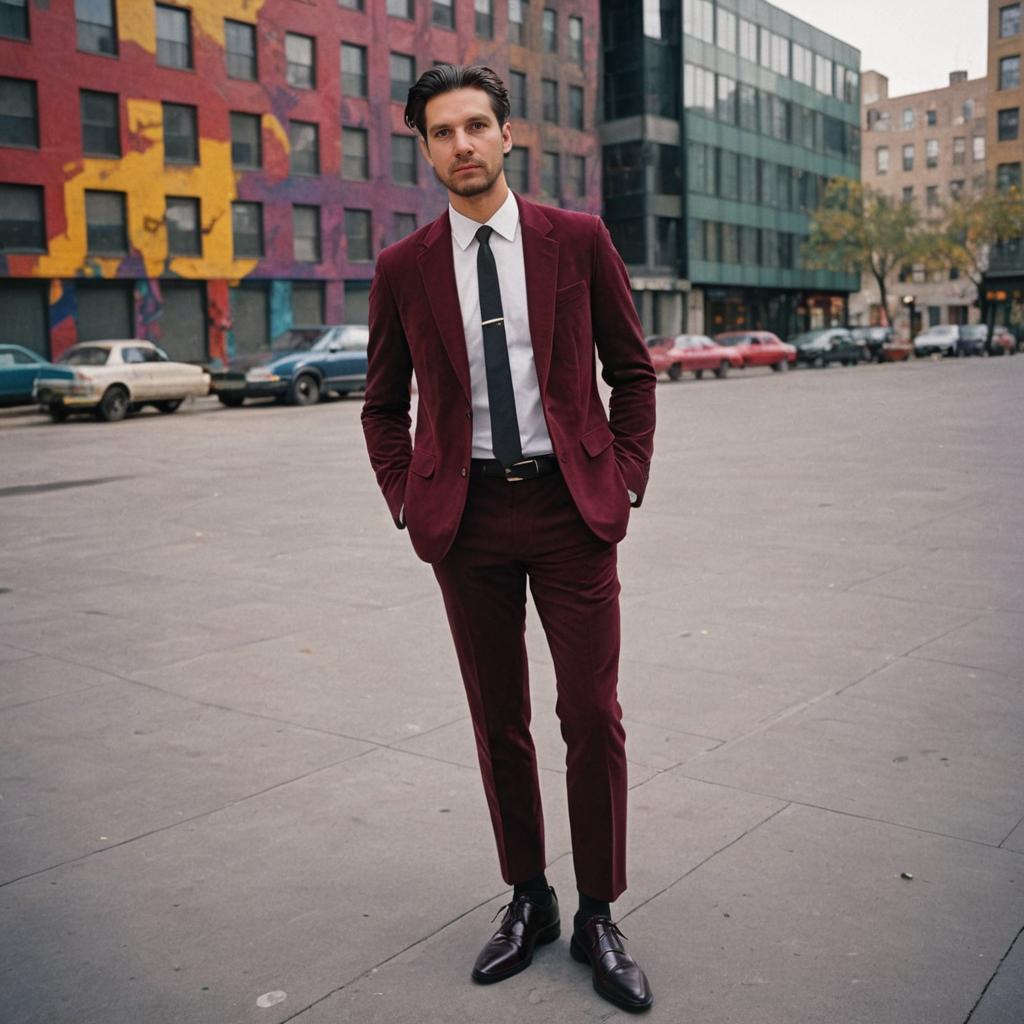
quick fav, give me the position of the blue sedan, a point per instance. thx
(19, 370)
(301, 366)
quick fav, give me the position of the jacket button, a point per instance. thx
(469, 415)
(463, 470)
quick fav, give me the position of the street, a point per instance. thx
(237, 773)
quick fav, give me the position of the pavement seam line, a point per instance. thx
(1002, 960)
(972, 668)
(1010, 833)
(715, 853)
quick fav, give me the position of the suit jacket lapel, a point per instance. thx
(540, 256)
(437, 269)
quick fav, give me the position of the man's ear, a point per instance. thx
(506, 137)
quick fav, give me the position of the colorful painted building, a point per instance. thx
(206, 175)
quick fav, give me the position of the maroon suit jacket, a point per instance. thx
(579, 303)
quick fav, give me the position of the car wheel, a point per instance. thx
(171, 405)
(782, 366)
(231, 401)
(722, 370)
(818, 362)
(114, 404)
(57, 412)
(698, 374)
(305, 390)
(675, 371)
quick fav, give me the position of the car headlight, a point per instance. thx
(261, 375)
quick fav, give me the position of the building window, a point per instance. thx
(978, 147)
(908, 194)
(19, 122)
(747, 102)
(931, 196)
(101, 135)
(699, 89)
(959, 150)
(1009, 20)
(908, 118)
(775, 52)
(931, 118)
(517, 10)
(403, 74)
(405, 224)
(22, 228)
(443, 13)
(352, 5)
(803, 65)
(353, 70)
(517, 169)
(247, 229)
(956, 188)
(300, 58)
(105, 222)
(1009, 72)
(576, 176)
(517, 93)
(240, 50)
(931, 153)
(1009, 124)
(699, 20)
(725, 29)
(666, 245)
(14, 19)
(483, 18)
(357, 235)
(307, 302)
(403, 159)
(306, 234)
(725, 102)
(246, 144)
(304, 139)
(576, 39)
(748, 40)
(908, 158)
(180, 135)
(549, 100)
(551, 174)
(183, 235)
(355, 154)
(549, 31)
(882, 160)
(95, 26)
(173, 37)
(823, 74)
(1008, 176)
(400, 9)
(576, 107)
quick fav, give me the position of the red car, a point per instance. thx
(693, 352)
(759, 348)
(1003, 342)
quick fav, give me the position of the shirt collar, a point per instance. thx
(504, 220)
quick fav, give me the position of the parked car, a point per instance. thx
(881, 345)
(951, 340)
(20, 368)
(827, 345)
(1002, 343)
(971, 339)
(691, 352)
(113, 378)
(301, 365)
(759, 348)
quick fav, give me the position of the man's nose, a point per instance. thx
(463, 142)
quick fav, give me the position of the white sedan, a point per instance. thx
(113, 378)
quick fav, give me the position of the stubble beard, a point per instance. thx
(469, 189)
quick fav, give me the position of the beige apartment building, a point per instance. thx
(923, 148)
(1005, 279)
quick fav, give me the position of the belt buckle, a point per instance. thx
(521, 462)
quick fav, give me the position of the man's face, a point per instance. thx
(465, 144)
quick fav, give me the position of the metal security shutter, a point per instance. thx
(249, 319)
(307, 302)
(357, 302)
(104, 311)
(24, 315)
(183, 321)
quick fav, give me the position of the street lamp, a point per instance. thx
(908, 301)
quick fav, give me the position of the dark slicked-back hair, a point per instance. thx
(445, 78)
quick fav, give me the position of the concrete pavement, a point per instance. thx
(237, 778)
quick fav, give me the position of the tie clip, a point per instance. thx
(496, 320)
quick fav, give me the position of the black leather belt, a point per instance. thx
(526, 469)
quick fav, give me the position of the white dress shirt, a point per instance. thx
(506, 243)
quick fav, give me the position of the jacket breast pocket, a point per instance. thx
(572, 298)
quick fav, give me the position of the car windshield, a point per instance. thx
(734, 339)
(87, 355)
(802, 339)
(344, 339)
(686, 341)
(298, 339)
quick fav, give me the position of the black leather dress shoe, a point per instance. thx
(617, 976)
(525, 925)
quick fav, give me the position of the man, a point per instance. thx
(518, 476)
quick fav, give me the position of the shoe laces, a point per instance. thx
(511, 907)
(610, 926)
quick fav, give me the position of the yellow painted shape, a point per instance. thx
(144, 179)
(136, 19)
(273, 125)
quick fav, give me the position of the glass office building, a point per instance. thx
(722, 123)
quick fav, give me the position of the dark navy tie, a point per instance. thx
(500, 397)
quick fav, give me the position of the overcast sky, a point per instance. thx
(915, 42)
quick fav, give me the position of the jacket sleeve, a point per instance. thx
(625, 361)
(385, 414)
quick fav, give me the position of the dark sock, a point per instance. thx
(591, 908)
(537, 889)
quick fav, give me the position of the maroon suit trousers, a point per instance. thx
(511, 533)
